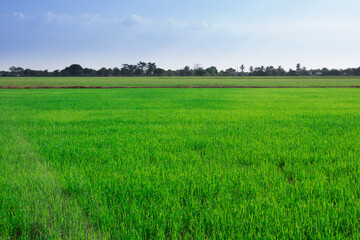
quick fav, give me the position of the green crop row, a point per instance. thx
(179, 81)
(180, 163)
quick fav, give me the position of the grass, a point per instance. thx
(180, 81)
(180, 163)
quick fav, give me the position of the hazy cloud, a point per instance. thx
(86, 18)
(15, 15)
(59, 19)
(18, 15)
(179, 24)
(197, 25)
(135, 19)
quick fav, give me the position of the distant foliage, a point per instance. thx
(150, 69)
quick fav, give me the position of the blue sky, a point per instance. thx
(43, 34)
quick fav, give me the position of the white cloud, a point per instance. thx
(179, 24)
(59, 19)
(90, 17)
(87, 19)
(135, 19)
(84, 18)
(197, 25)
(15, 15)
(18, 15)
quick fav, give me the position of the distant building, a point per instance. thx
(231, 72)
(315, 73)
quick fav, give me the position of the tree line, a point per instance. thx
(150, 69)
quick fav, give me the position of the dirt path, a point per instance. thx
(109, 87)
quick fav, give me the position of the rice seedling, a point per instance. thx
(180, 163)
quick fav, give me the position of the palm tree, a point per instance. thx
(242, 67)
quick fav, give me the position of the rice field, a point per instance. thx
(179, 81)
(179, 163)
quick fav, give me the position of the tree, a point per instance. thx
(292, 72)
(125, 70)
(150, 68)
(116, 71)
(186, 71)
(334, 72)
(222, 73)
(56, 73)
(325, 71)
(259, 71)
(200, 72)
(140, 69)
(110, 72)
(303, 71)
(357, 71)
(16, 71)
(139, 72)
(212, 71)
(171, 73)
(270, 71)
(103, 72)
(159, 72)
(74, 70)
(89, 72)
(242, 68)
(131, 69)
(298, 67)
(280, 71)
(142, 66)
(28, 72)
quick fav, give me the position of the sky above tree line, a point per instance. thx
(43, 34)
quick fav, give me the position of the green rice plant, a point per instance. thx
(180, 163)
(179, 81)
